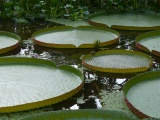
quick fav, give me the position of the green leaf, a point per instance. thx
(8, 4)
(118, 61)
(53, 2)
(9, 41)
(127, 20)
(75, 37)
(86, 114)
(35, 83)
(149, 42)
(142, 94)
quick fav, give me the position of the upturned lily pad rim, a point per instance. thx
(147, 35)
(120, 27)
(117, 70)
(87, 114)
(147, 76)
(40, 62)
(11, 35)
(66, 28)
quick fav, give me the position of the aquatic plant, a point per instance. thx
(29, 10)
(117, 61)
(25, 95)
(130, 5)
(149, 42)
(126, 20)
(9, 41)
(75, 37)
(143, 102)
(87, 114)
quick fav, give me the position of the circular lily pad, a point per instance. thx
(8, 41)
(149, 42)
(141, 20)
(73, 37)
(28, 83)
(142, 94)
(118, 61)
(87, 114)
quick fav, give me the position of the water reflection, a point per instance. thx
(74, 107)
(120, 81)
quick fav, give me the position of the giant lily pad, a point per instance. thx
(117, 61)
(86, 114)
(142, 94)
(149, 42)
(73, 37)
(8, 41)
(28, 83)
(146, 20)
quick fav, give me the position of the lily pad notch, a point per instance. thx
(42, 89)
(118, 61)
(75, 37)
(142, 94)
(149, 42)
(9, 41)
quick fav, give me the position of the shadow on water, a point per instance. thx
(95, 82)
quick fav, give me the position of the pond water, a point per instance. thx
(95, 82)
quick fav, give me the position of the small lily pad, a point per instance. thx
(141, 20)
(149, 42)
(75, 37)
(87, 114)
(68, 22)
(118, 61)
(8, 41)
(142, 94)
(28, 83)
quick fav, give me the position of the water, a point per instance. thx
(95, 82)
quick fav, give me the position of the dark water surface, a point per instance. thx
(95, 82)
